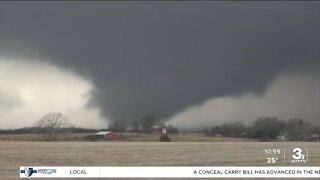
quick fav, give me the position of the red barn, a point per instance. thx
(158, 130)
(110, 135)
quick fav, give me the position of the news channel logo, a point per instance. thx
(29, 171)
(298, 155)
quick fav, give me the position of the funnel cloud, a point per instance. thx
(161, 58)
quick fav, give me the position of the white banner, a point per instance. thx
(171, 172)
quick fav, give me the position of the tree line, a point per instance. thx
(267, 128)
(53, 125)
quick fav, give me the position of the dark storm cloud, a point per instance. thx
(160, 57)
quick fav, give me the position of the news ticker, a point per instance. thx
(171, 172)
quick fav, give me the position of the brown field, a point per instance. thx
(17, 153)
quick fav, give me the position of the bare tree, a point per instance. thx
(52, 125)
(147, 122)
(267, 128)
(119, 126)
(298, 129)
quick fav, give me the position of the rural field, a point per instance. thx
(21, 153)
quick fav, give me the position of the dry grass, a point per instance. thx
(14, 154)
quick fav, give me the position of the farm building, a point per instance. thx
(316, 137)
(158, 130)
(282, 137)
(110, 135)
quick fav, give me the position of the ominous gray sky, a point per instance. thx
(160, 58)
